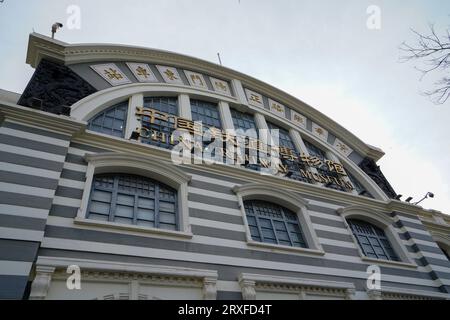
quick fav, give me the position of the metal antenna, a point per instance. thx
(218, 55)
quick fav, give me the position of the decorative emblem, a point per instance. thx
(220, 86)
(320, 132)
(342, 147)
(196, 79)
(142, 72)
(277, 108)
(111, 73)
(298, 119)
(254, 98)
(170, 74)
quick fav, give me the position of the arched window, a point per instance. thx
(206, 112)
(271, 223)
(110, 121)
(133, 199)
(372, 240)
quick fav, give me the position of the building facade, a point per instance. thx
(96, 204)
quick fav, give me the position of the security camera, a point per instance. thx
(431, 194)
(55, 27)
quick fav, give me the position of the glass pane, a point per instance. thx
(124, 211)
(103, 196)
(99, 207)
(125, 199)
(167, 218)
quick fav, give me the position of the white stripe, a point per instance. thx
(412, 220)
(31, 153)
(213, 181)
(330, 229)
(29, 170)
(325, 216)
(21, 234)
(70, 202)
(223, 285)
(15, 268)
(338, 243)
(323, 204)
(409, 229)
(21, 189)
(439, 256)
(213, 194)
(78, 152)
(34, 137)
(413, 241)
(71, 183)
(74, 167)
(38, 127)
(210, 207)
(217, 224)
(23, 211)
(89, 246)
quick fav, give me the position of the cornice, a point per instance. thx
(42, 119)
(43, 47)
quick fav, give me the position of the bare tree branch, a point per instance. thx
(433, 52)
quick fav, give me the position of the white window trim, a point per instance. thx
(148, 167)
(384, 222)
(292, 201)
(47, 267)
(251, 283)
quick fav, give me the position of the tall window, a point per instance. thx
(164, 104)
(323, 169)
(207, 112)
(362, 191)
(271, 223)
(159, 128)
(293, 166)
(285, 138)
(110, 121)
(372, 240)
(244, 121)
(133, 199)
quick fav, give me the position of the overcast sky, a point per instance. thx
(319, 51)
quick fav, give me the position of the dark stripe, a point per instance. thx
(327, 222)
(229, 295)
(210, 186)
(28, 180)
(425, 248)
(69, 192)
(17, 250)
(334, 235)
(31, 144)
(30, 161)
(63, 211)
(218, 233)
(353, 252)
(216, 216)
(41, 132)
(76, 159)
(436, 262)
(87, 147)
(73, 175)
(420, 236)
(211, 175)
(18, 199)
(18, 222)
(12, 287)
(409, 224)
(213, 201)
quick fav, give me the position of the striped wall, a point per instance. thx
(219, 241)
(31, 162)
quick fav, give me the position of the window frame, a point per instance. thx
(287, 199)
(116, 191)
(150, 167)
(125, 104)
(384, 222)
